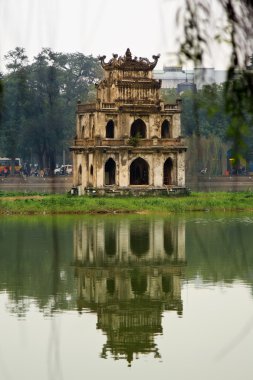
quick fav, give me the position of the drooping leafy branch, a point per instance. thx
(233, 26)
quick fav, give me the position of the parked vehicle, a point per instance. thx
(64, 170)
(5, 164)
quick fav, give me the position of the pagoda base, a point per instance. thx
(142, 190)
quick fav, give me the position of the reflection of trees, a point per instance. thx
(29, 270)
(220, 249)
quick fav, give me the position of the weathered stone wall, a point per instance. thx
(123, 160)
(94, 124)
(181, 169)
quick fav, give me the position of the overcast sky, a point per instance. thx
(94, 27)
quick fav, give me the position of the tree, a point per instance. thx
(14, 102)
(237, 31)
(39, 101)
(44, 124)
(234, 27)
(1, 110)
(58, 80)
(203, 112)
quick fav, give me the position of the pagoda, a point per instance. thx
(128, 140)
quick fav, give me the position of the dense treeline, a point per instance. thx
(203, 111)
(209, 123)
(201, 33)
(38, 102)
(204, 124)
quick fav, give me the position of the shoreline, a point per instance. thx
(39, 204)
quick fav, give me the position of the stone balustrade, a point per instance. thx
(89, 107)
(125, 142)
(108, 105)
(169, 107)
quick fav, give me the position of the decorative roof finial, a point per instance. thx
(128, 63)
(128, 54)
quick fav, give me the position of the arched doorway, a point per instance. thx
(167, 172)
(139, 283)
(139, 238)
(167, 284)
(109, 133)
(110, 169)
(79, 179)
(110, 286)
(165, 130)
(139, 172)
(138, 129)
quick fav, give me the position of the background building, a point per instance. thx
(184, 79)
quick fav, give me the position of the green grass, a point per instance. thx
(65, 204)
(17, 194)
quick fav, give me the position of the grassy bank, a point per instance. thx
(14, 203)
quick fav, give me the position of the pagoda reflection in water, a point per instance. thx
(129, 272)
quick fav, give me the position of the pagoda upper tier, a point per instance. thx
(128, 80)
(128, 63)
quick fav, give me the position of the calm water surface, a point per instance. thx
(126, 297)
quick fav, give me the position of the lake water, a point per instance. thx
(126, 297)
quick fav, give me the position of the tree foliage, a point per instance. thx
(226, 21)
(203, 112)
(201, 28)
(205, 123)
(38, 102)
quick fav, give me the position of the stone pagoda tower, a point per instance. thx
(128, 140)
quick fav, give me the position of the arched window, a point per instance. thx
(138, 129)
(110, 286)
(139, 238)
(80, 175)
(91, 170)
(139, 172)
(109, 133)
(167, 284)
(139, 283)
(167, 172)
(110, 170)
(166, 130)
